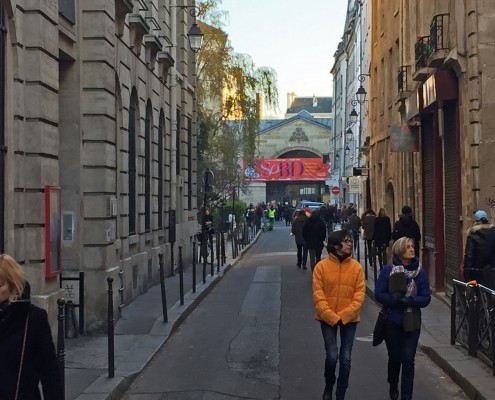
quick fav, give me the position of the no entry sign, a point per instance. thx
(335, 190)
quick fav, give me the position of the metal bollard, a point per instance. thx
(172, 259)
(162, 286)
(181, 277)
(203, 251)
(217, 244)
(194, 267)
(222, 244)
(366, 259)
(61, 340)
(111, 338)
(212, 259)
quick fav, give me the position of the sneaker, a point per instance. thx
(304, 267)
(298, 265)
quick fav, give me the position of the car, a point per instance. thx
(312, 205)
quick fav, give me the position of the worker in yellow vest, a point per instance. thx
(271, 215)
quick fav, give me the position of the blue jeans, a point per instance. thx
(401, 348)
(333, 354)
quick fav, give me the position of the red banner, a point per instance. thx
(286, 169)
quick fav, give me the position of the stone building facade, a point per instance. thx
(98, 100)
(442, 59)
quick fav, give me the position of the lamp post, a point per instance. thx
(354, 116)
(195, 36)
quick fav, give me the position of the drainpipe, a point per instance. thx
(441, 134)
(173, 109)
(3, 148)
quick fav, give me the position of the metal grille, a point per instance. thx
(438, 41)
(422, 51)
(428, 178)
(452, 190)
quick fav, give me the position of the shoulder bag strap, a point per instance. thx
(22, 358)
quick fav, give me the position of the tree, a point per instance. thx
(229, 88)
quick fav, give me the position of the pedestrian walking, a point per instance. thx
(271, 215)
(382, 234)
(288, 214)
(406, 226)
(338, 295)
(314, 233)
(355, 225)
(403, 289)
(300, 220)
(368, 221)
(476, 251)
(27, 353)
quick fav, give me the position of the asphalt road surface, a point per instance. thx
(254, 337)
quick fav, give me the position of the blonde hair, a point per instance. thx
(400, 246)
(382, 212)
(12, 274)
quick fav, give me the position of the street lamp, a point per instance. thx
(195, 36)
(361, 92)
(353, 115)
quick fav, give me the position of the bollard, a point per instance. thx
(61, 340)
(172, 260)
(232, 243)
(222, 244)
(181, 277)
(194, 267)
(111, 338)
(212, 259)
(453, 310)
(365, 259)
(217, 244)
(162, 286)
(203, 250)
(374, 264)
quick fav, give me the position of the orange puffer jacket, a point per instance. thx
(338, 290)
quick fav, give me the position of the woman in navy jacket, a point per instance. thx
(27, 352)
(403, 289)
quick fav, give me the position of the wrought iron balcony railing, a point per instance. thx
(438, 36)
(403, 79)
(422, 51)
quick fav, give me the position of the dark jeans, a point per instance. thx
(369, 249)
(381, 250)
(401, 348)
(314, 257)
(347, 333)
(302, 255)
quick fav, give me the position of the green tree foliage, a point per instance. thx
(228, 89)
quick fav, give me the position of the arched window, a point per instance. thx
(132, 162)
(3, 34)
(147, 167)
(161, 133)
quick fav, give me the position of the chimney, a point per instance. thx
(290, 99)
(315, 101)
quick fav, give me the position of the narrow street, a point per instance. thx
(254, 337)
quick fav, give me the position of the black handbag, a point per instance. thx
(379, 330)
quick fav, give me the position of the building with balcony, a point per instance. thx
(97, 145)
(431, 129)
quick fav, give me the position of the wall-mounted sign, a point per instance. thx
(354, 184)
(403, 139)
(286, 169)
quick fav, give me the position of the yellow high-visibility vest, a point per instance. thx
(271, 213)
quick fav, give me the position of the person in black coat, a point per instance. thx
(476, 258)
(382, 234)
(27, 352)
(406, 226)
(314, 233)
(300, 220)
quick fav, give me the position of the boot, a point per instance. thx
(327, 394)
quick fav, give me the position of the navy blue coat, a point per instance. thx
(393, 306)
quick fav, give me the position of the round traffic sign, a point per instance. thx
(335, 190)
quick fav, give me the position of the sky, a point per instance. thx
(294, 37)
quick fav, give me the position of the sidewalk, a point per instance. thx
(140, 333)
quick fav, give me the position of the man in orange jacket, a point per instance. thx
(338, 295)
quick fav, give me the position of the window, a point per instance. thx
(161, 133)
(67, 9)
(147, 167)
(132, 162)
(177, 145)
(189, 164)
